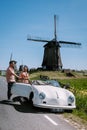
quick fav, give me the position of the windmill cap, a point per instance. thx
(12, 61)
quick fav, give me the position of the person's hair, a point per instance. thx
(12, 61)
(25, 66)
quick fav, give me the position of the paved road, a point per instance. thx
(16, 116)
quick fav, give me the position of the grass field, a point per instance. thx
(79, 88)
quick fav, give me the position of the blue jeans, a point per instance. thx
(10, 84)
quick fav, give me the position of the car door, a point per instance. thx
(21, 89)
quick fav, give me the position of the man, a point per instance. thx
(10, 76)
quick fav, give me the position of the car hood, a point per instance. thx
(52, 91)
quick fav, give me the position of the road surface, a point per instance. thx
(16, 116)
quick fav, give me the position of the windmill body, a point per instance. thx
(52, 58)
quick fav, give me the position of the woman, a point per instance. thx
(24, 75)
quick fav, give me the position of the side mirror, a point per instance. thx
(66, 86)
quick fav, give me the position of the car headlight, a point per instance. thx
(41, 95)
(70, 99)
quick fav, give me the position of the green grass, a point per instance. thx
(77, 85)
(79, 88)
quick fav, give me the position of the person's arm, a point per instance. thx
(12, 72)
(16, 75)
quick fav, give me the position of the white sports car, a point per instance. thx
(45, 94)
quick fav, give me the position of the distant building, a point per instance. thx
(2, 72)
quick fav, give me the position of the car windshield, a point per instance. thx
(46, 82)
(53, 83)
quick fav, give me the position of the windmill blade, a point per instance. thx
(70, 43)
(11, 56)
(55, 35)
(37, 39)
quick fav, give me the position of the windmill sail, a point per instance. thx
(11, 56)
(52, 57)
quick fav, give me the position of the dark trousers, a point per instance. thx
(10, 84)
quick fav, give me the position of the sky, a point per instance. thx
(20, 18)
